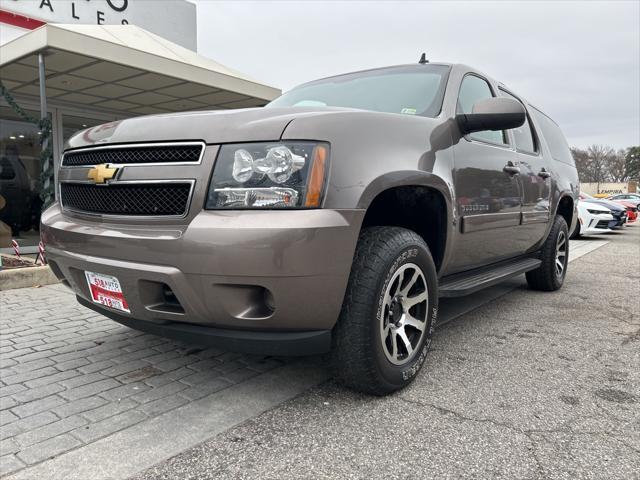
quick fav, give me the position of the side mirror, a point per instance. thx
(495, 113)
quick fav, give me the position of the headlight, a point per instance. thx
(597, 212)
(269, 175)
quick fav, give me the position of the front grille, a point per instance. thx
(137, 155)
(127, 199)
(603, 224)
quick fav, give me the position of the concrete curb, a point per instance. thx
(26, 277)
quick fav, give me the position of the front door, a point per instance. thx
(487, 189)
(535, 180)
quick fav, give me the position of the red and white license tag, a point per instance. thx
(106, 290)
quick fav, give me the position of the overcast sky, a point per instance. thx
(577, 61)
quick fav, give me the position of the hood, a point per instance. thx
(606, 203)
(218, 126)
(593, 206)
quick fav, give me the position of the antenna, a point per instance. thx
(423, 59)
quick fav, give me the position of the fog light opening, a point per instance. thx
(170, 298)
(269, 300)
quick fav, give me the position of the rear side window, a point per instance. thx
(523, 135)
(554, 137)
(473, 89)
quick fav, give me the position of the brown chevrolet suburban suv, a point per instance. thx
(330, 220)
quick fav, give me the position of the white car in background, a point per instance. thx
(592, 219)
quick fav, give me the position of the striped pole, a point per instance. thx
(41, 254)
(16, 248)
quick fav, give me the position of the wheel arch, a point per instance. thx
(566, 208)
(414, 200)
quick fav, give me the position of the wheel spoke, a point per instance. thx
(411, 301)
(400, 280)
(414, 322)
(410, 283)
(559, 265)
(394, 344)
(387, 300)
(561, 242)
(407, 344)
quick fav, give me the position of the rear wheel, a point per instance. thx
(384, 331)
(550, 275)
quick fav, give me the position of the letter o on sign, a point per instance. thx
(125, 4)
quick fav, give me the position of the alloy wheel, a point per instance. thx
(561, 254)
(404, 317)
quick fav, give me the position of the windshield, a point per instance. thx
(409, 90)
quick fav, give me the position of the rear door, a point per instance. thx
(535, 182)
(487, 188)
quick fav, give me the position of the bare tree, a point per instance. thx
(581, 158)
(617, 168)
(600, 159)
(597, 164)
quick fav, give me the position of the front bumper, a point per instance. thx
(620, 219)
(594, 224)
(258, 271)
(290, 343)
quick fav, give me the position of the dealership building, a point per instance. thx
(88, 63)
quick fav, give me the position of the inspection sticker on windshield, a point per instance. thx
(408, 111)
(106, 290)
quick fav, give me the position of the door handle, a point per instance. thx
(543, 173)
(511, 169)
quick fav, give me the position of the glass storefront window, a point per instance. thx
(20, 168)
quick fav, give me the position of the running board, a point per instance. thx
(465, 284)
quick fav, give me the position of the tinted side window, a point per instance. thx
(473, 89)
(554, 138)
(523, 135)
(6, 170)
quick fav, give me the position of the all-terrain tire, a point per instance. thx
(549, 276)
(358, 353)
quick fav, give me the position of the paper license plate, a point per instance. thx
(106, 290)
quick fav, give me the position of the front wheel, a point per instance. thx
(384, 331)
(549, 276)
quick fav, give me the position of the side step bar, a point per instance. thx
(465, 284)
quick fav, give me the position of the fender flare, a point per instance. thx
(407, 178)
(574, 214)
(416, 178)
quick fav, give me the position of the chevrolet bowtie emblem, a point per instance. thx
(101, 173)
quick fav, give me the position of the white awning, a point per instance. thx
(126, 69)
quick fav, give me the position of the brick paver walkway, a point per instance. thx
(69, 376)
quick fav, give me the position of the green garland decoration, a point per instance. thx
(47, 190)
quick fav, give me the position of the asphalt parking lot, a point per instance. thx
(519, 384)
